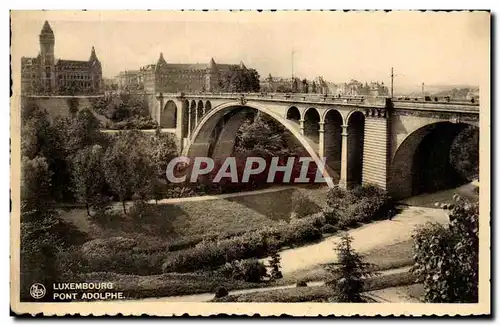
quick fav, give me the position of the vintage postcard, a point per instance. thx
(297, 163)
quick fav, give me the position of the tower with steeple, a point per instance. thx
(47, 60)
(46, 75)
(96, 72)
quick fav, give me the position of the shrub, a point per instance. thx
(221, 292)
(328, 228)
(301, 284)
(251, 270)
(45, 240)
(362, 204)
(316, 220)
(331, 215)
(335, 197)
(209, 254)
(346, 223)
(301, 231)
(121, 255)
(446, 258)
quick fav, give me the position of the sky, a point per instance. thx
(431, 47)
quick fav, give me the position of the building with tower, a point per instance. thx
(46, 75)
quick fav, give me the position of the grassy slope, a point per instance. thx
(181, 221)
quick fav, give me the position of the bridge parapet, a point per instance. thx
(461, 107)
(292, 98)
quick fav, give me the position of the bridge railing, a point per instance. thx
(437, 106)
(292, 97)
(443, 103)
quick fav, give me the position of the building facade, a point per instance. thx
(46, 75)
(320, 86)
(164, 77)
(130, 80)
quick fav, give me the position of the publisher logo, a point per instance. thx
(37, 290)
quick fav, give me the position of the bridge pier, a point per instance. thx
(343, 162)
(301, 122)
(321, 149)
(189, 123)
(376, 145)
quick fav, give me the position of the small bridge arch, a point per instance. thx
(168, 118)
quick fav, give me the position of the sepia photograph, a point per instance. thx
(287, 162)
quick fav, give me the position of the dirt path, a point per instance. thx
(366, 238)
(223, 196)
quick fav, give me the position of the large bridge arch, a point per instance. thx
(421, 163)
(201, 140)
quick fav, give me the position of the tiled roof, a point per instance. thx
(188, 66)
(72, 63)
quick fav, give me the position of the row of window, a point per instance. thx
(76, 77)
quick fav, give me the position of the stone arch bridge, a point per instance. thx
(400, 145)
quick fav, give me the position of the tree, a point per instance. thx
(162, 149)
(42, 241)
(238, 79)
(83, 130)
(88, 177)
(127, 166)
(446, 257)
(283, 89)
(35, 186)
(348, 274)
(274, 262)
(262, 137)
(43, 136)
(464, 153)
(73, 105)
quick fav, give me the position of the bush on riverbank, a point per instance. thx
(210, 254)
(348, 208)
(249, 270)
(120, 255)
